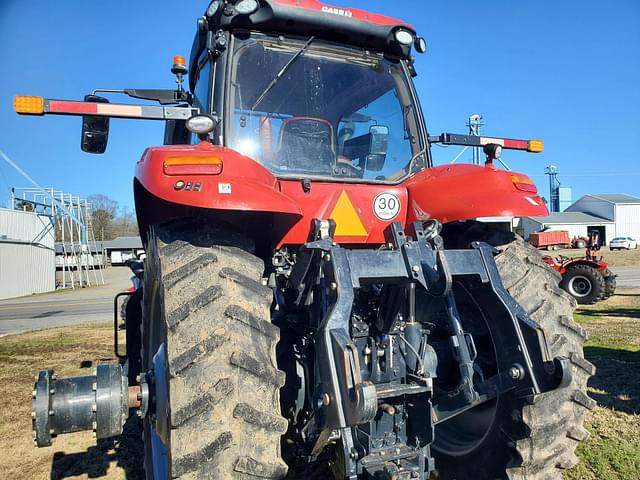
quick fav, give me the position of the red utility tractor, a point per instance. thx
(318, 300)
(588, 280)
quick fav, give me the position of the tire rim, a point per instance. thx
(580, 286)
(467, 431)
(157, 432)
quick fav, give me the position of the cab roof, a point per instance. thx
(351, 27)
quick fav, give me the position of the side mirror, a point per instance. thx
(95, 130)
(378, 146)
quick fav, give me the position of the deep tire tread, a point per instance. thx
(182, 273)
(263, 420)
(211, 294)
(258, 368)
(223, 384)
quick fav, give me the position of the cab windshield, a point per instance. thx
(305, 109)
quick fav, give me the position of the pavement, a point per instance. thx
(67, 307)
(627, 277)
(96, 303)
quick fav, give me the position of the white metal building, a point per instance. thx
(613, 215)
(624, 210)
(578, 224)
(27, 255)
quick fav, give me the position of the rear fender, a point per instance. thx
(244, 193)
(243, 183)
(461, 192)
(600, 266)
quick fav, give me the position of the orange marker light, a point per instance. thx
(29, 105)
(192, 165)
(524, 183)
(179, 60)
(536, 146)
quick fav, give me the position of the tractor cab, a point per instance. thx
(307, 102)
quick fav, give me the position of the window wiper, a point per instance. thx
(282, 72)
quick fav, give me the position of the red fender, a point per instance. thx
(462, 192)
(599, 266)
(243, 184)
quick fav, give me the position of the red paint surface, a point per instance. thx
(458, 192)
(320, 201)
(356, 14)
(66, 106)
(447, 193)
(516, 144)
(554, 237)
(562, 268)
(253, 187)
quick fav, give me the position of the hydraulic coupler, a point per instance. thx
(98, 402)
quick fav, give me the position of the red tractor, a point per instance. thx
(588, 280)
(318, 300)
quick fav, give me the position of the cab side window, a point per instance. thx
(202, 92)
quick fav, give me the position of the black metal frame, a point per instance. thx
(115, 323)
(344, 400)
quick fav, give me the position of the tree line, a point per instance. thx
(110, 220)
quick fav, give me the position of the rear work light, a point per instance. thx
(192, 165)
(28, 105)
(524, 183)
(405, 37)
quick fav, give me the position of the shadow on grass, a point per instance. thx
(94, 463)
(611, 312)
(617, 381)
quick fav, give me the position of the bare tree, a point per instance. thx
(125, 223)
(104, 211)
(24, 205)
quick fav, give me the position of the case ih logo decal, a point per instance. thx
(337, 11)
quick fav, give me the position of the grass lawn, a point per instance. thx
(611, 452)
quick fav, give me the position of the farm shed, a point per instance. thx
(578, 224)
(27, 254)
(623, 210)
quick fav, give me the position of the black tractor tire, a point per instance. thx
(533, 440)
(585, 284)
(609, 283)
(205, 302)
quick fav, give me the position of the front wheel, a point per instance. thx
(208, 338)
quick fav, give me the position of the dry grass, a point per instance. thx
(69, 351)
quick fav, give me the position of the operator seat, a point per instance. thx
(306, 146)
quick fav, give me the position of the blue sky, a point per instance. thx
(564, 71)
